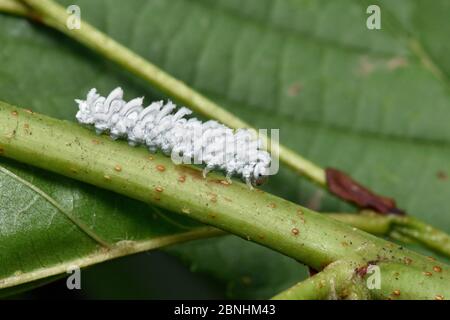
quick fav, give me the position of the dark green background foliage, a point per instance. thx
(342, 95)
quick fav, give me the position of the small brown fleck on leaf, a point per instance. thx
(212, 215)
(118, 168)
(225, 182)
(2, 151)
(272, 205)
(261, 236)
(442, 175)
(408, 261)
(439, 297)
(437, 269)
(182, 178)
(295, 89)
(431, 258)
(366, 66)
(159, 189)
(107, 177)
(428, 273)
(295, 231)
(150, 158)
(95, 141)
(14, 113)
(396, 293)
(73, 170)
(186, 210)
(29, 111)
(160, 168)
(157, 198)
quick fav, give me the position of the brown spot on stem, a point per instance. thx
(190, 171)
(160, 168)
(26, 128)
(301, 215)
(348, 189)
(10, 135)
(118, 168)
(212, 196)
(361, 271)
(439, 297)
(159, 189)
(182, 178)
(295, 231)
(437, 269)
(321, 284)
(407, 261)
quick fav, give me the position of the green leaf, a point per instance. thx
(38, 240)
(372, 102)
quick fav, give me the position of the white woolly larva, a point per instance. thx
(160, 128)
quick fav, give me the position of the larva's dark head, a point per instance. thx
(260, 180)
(260, 172)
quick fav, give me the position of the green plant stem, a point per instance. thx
(14, 7)
(336, 281)
(314, 239)
(405, 227)
(120, 249)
